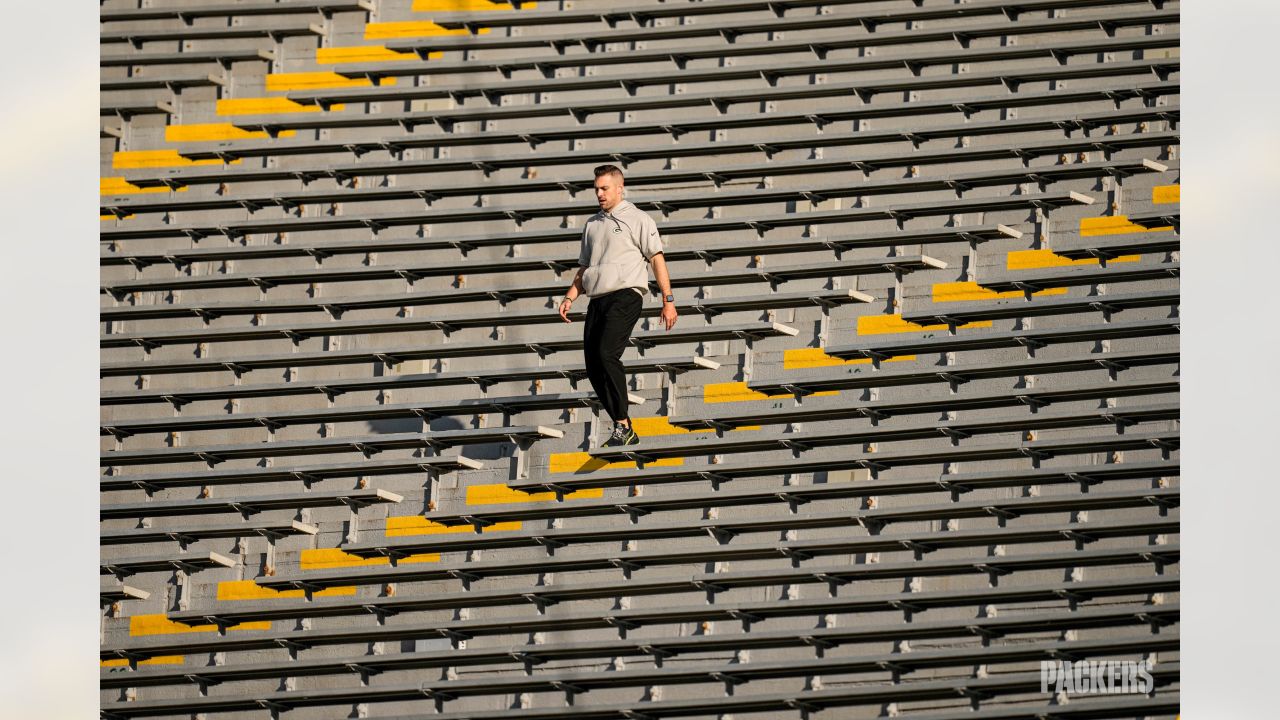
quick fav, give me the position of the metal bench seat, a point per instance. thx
(248, 505)
(1107, 247)
(368, 445)
(724, 40)
(543, 347)
(187, 12)
(659, 650)
(513, 404)
(305, 473)
(575, 373)
(749, 612)
(226, 614)
(877, 348)
(723, 532)
(849, 377)
(840, 458)
(797, 494)
(960, 313)
(187, 534)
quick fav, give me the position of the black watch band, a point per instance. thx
(669, 298)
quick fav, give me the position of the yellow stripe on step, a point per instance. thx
(282, 82)
(580, 462)
(659, 425)
(960, 291)
(133, 159)
(807, 358)
(402, 525)
(463, 6)
(1046, 258)
(266, 106)
(411, 29)
(207, 132)
(886, 324)
(1113, 225)
(120, 186)
(502, 495)
(250, 590)
(1164, 194)
(161, 625)
(157, 660)
(330, 558)
(739, 392)
(364, 53)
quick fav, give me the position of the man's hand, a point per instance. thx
(565, 306)
(668, 314)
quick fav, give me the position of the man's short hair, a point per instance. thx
(609, 170)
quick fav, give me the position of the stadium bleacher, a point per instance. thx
(917, 429)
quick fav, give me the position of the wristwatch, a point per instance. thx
(669, 298)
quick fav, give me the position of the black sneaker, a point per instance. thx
(622, 435)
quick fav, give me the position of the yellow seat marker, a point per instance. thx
(887, 324)
(1113, 225)
(283, 82)
(502, 495)
(157, 660)
(232, 590)
(1165, 194)
(411, 29)
(206, 132)
(739, 392)
(120, 186)
(134, 159)
(140, 625)
(659, 425)
(404, 525)
(809, 358)
(1035, 259)
(266, 106)
(365, 53)
(961, 291)
(462, 6)
(331, 558)
(580, 462)
(584, 463)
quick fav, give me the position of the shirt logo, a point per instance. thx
(617, 229)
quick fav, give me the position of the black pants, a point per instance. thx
(610, 320)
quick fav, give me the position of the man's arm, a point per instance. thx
(664, 286)
(574, 291)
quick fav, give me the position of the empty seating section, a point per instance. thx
(916, 429)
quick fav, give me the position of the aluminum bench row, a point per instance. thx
(722, 548)
(188, 12)
(1075, 595)
(833, 575)
(432, 192)
(796, 494)
(391, 356)
(721, 101)
(724, 41)
(913, 62)
(574, 372)
(1135, 437)
(658, 650)
(900, 213)
(775, 701)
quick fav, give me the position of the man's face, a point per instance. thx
(608, 191)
